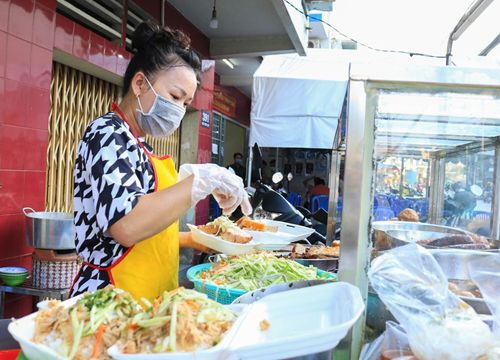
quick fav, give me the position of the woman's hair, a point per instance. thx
(158, 48)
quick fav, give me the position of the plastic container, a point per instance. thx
(218, 244)
(286, 234)
(318, 328)
(23, 330)
(221, 294)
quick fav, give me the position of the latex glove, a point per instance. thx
(226, 187)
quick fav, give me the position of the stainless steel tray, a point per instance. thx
(390, 234)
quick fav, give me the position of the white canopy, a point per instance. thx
(297, 100)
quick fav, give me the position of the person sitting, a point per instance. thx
(319, 187)
(237, 166)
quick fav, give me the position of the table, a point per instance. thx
(27, 289)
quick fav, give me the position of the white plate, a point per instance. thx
(23, 330)
(286, 234)
(218, 244)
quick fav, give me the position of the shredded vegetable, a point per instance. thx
(253, 271)
(180, 320)
(224, 224)
(86, 329)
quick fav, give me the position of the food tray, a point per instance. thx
(218, 244)
(23, 330)
(221, 294)
(286, 234)
(318, 328)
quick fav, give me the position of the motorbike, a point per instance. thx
(271, 204)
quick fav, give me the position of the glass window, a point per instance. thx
(436, 151)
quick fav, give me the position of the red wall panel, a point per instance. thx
(29, 31)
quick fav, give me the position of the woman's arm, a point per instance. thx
(153, 213)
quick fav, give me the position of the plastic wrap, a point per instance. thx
(439, 325)
(486, 275)
(393, 343)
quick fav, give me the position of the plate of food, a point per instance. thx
(272, 235)
(110, 324)
(79, 328)
(224, 236)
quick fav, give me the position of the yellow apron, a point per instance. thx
(150, 267)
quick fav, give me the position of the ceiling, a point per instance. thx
(241, 76)
(247, 31)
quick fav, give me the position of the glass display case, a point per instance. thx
(419, 138)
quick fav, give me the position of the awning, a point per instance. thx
(296, 101)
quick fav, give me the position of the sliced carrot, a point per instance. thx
(193, 305)
(133, 326)
(98, 340)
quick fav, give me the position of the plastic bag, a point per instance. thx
(439, 325)
(391, 344)
(486, 275)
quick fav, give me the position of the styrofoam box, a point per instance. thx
(217, 243)
(23, 330)
(286, 234)
(302, 321)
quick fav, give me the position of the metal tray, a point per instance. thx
(391, 234)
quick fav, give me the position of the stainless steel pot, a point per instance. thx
(49, 230)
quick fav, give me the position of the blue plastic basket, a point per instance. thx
(221, 294)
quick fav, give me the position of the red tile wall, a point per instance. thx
(29, 31)
(26, 42)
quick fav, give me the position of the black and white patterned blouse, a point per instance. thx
(111, 172)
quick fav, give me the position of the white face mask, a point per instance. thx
(163, 118)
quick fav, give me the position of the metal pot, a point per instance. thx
(49, 230)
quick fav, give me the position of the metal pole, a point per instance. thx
(357, 205)
(124, 23)
(465, 21)
(277, 157)
(495, 219)
(334, 181)
(249, 166)
(163, 13)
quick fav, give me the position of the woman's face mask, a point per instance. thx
(163, 118)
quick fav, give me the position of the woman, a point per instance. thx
(127, 200)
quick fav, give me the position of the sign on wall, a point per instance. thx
(224, 103)
(205, 119)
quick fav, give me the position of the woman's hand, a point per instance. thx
(226, 187)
